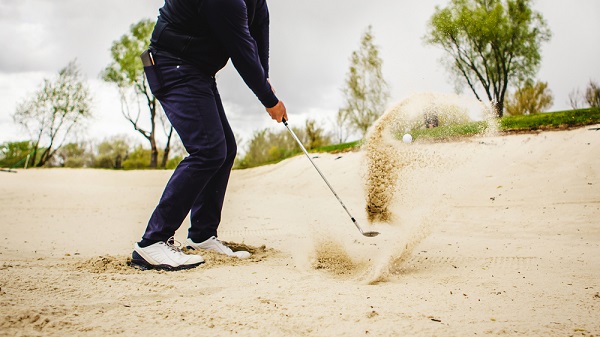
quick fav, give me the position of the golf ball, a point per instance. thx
(407, 138)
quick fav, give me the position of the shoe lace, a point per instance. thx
(174, 245)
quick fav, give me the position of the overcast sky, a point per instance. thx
(311, 42)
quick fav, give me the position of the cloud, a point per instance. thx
(311, 42)
(26, 47)
(46, 35)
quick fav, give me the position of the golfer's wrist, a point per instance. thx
(269, 101)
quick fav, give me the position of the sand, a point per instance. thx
(488, 236)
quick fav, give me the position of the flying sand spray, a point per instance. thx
(387, 160)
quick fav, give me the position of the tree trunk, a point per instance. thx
(154, 152)
(118, 162)
(167, 150)
(44, 157)
(33, 156)
(165, 158)
(499, 106)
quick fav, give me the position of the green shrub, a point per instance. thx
(14, 153)
(173, 162)
(138, 159)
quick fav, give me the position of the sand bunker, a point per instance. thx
(488, 236)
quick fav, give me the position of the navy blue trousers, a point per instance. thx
(192, 103)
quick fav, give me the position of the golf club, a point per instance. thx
(369, 234)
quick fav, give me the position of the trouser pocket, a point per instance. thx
(152, 73)
(154, 79)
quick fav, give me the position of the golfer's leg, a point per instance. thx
(194, 113)
(206, 210)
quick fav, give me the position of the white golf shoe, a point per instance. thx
(215, 245)
(164, 256)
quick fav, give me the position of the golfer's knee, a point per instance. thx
(213, 155)
(231, 153)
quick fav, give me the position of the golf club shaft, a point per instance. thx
(320, 173)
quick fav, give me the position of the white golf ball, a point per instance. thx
(407, 138)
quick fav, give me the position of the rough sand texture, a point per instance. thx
(490, 236)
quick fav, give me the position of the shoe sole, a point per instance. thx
(138, 262)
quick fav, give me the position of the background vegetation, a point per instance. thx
(492, 47)
(267, 147)
(509, 124)
(126, 72)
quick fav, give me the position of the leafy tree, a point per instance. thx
(255, 152)
(137, 159)
(73, 155)
(53, 112)
(314, 136)
(13, 153)
(489, 43)
(530, 99)
(267, 146)
(592, 95)
(366, 92)
(127, 72)
(112, 152)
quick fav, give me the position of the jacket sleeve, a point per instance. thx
(259, 29)
(228, 20)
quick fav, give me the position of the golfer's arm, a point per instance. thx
(260, 32)
(229, 21)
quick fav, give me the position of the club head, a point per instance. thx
(370, 234)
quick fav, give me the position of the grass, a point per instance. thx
(543, 121)
(552, 120)
(335, 148)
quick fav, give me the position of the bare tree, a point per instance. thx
(576, 99)
(592, 94)
(341, 125)
(53, 112)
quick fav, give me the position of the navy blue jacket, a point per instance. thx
(207, 33)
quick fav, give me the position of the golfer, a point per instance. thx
(191, 42)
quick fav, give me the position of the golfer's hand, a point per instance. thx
(278, 112)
